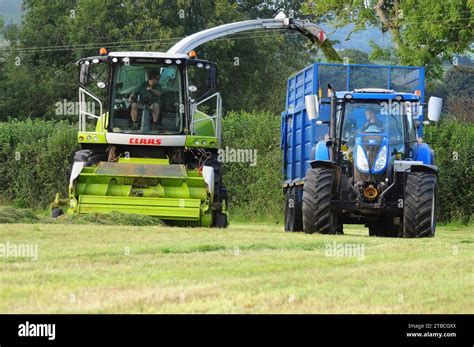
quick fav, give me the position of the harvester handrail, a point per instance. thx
(82, 112)
(217, 124)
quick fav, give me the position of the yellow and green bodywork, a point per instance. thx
(143, 185)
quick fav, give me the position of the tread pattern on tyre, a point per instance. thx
(420, 190)
(317, 192)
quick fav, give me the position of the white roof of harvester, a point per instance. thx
(161, 55)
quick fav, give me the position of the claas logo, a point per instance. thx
(144, 141)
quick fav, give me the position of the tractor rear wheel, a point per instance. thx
(293, 217)
(419, 208)
(318, 215)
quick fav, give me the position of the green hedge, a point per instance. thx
(254, 190)
(34, 160)
(35, 157)
(453, 143)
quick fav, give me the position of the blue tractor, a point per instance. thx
(357, 156)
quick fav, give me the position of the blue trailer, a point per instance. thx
(356, 155)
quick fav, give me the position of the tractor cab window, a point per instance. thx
(373, 118)
(147, 99)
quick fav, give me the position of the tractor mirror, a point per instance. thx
(435, 105)
(84, 74)
(312, 106)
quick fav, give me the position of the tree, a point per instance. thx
(253, 66)
(424, 32)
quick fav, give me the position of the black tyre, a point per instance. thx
(220, 194)
(384, 227)
(56, 212)
(318, 215)
(220, 220)
(419, 208)
(293, 213)
(89, 157)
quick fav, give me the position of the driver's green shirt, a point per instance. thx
(141, 90)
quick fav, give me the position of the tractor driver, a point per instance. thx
(372, 121)
(149, 93)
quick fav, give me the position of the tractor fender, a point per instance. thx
(424, 154)
(320, 151)
(424, 168)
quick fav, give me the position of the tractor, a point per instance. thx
(357, 156)
(150, 128)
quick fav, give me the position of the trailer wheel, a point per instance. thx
(318, 215)
(419, 209)
(293, 214)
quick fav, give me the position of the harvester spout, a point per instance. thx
(307, 28)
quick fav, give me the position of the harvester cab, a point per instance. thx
(368, 163)
(150, 129)
(146, 146)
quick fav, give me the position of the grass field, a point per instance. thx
(248, 268)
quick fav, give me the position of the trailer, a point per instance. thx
(355, 155)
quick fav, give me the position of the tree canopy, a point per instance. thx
(424, 32)
(39, 62)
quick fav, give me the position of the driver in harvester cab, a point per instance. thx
(372, 124)
(148, 93)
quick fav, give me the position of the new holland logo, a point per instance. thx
(144, 141)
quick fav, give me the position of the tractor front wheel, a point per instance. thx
(419, 208)
(318, 215)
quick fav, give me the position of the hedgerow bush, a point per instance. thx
(35, 156)
(254, 191)
(453, 143)
(34, 160)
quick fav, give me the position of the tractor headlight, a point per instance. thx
(362, 162)
(381, 160)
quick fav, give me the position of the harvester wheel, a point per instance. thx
(220, 220)
(56, 212)
(89, 157)
(293, 213)
(419, 209)
(318, 215)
